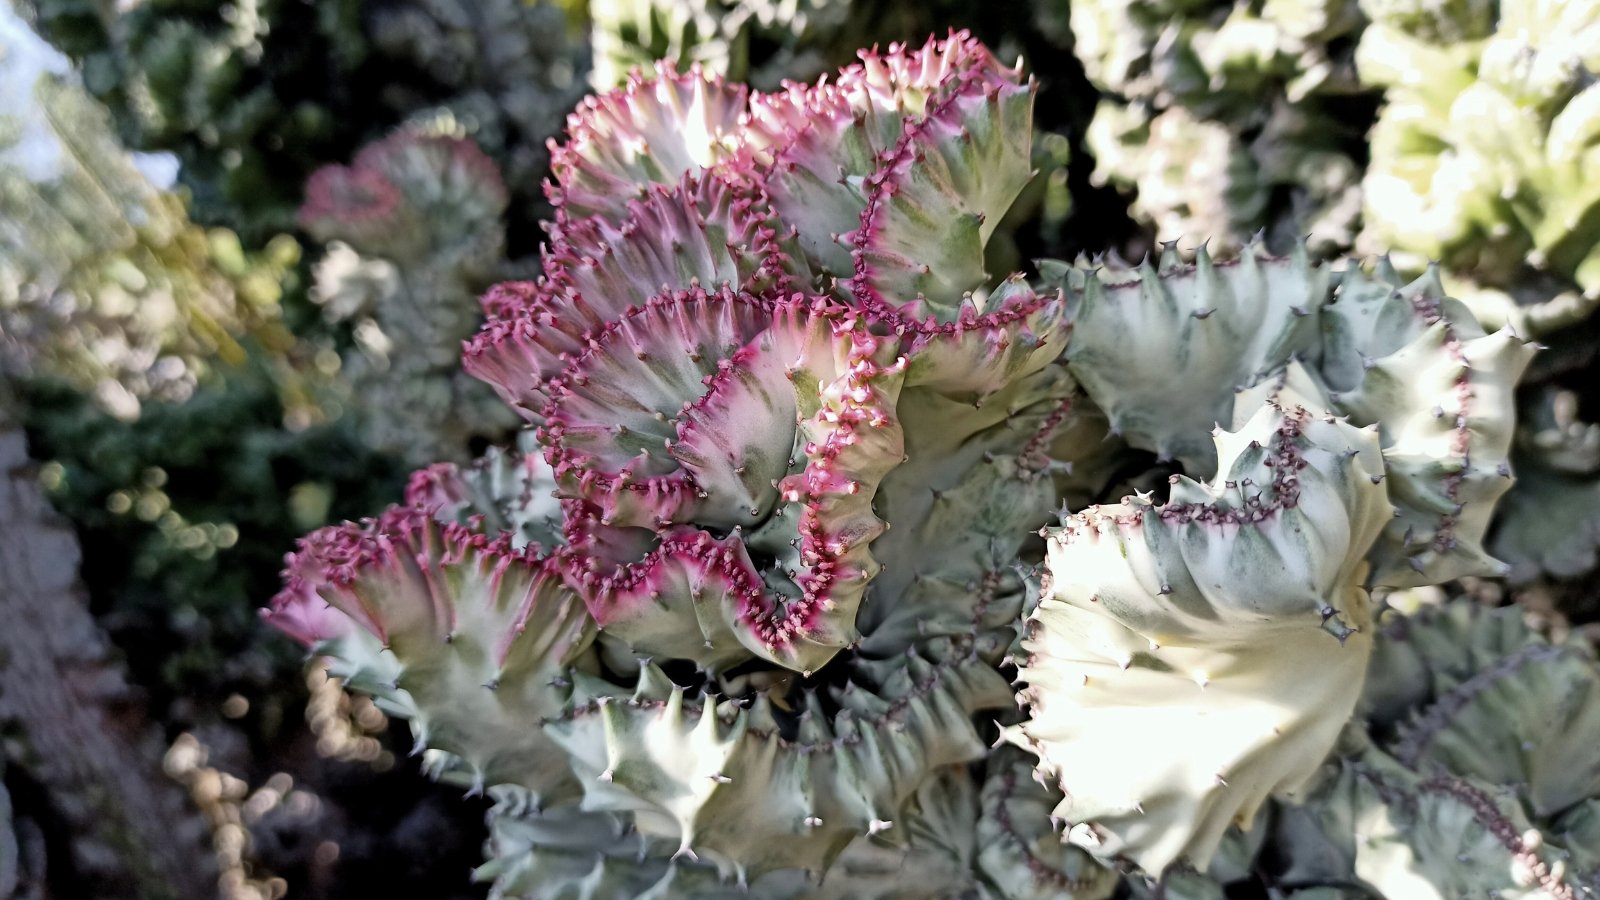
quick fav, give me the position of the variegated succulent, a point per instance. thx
(741, 612)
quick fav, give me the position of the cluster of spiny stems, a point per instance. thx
(744, 610)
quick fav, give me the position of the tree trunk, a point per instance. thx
(69, 723)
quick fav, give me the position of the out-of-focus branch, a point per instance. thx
(68, 714)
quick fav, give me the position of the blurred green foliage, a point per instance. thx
(186, 512)
(252, 95)
(1221, 119)
(104, 280)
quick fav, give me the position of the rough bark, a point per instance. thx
(10, 874)
(69, 720)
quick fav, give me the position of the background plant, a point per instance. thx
(254, 97)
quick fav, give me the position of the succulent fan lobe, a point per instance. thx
(1018, 845)
(940, 193)
(700, 233)
(973, 488)
(813, 147)
(834, 426)
(808, 145)
(611, 420)
(1224, 325)
(504, 491)
(1417, 364)
(651, 130)
(1221, 597)
(849, 443)
(473, 635)
(684, 600)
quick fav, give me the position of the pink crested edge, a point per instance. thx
(591, 548)
(322, 563)
(536, 330)
(299, 611)
(436, 487)
(517, 352)
(1284, 459)
(793, 314)
(714, 397)
(753, 229)
(983, 77)
(667, 494)
(611, 595)
(519, 347)
(601, 572)
(822, 551)
(508, 299)
(407, 550)
(1429, 310)
(1035, 454)
(798, 120)
(598, 121)
(780, 123)
(801, 125)
(928, 66)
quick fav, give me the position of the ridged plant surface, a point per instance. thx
(750, 607)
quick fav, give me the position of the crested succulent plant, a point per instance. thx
(415, 227)
(1466, 779)
(1476, 777)
(776, 674)
(1200, 607)
(739, 612)
(1370, 430)
(1488, 124)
